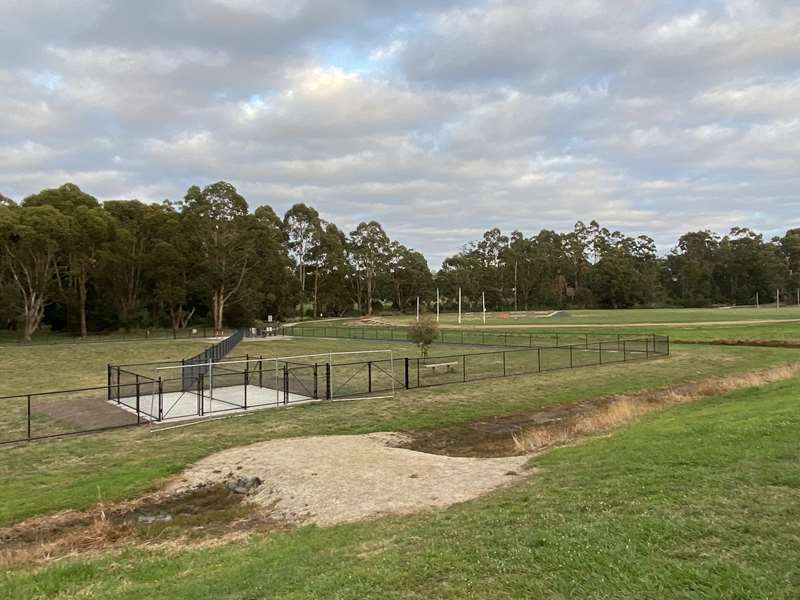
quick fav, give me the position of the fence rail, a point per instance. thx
(48, 338)
(256, 382)
(472, 337)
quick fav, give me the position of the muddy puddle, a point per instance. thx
(207, 512)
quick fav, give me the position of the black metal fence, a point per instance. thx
(243, 383)
(50, 338)
(211, 354)
(463, 336)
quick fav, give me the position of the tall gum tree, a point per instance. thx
(88, 229)
(30, 239)
(218, 222)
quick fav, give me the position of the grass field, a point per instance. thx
(676, 316)
(699, 501)
(71, 472)
(690, 325)
(42, 368)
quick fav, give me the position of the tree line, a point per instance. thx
(73, 263)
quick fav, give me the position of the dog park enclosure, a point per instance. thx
(213, 383)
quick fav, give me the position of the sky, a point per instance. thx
(439, 119)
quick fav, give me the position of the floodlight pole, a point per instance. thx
(777, 299)
(437, 303)
(483, 294)
(757, 305)
(459, 306)
(417, 309)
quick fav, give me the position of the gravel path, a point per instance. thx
(334, 479)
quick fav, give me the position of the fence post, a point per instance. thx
(260, 371)
(117, 385)
(29, 417)
(587, 340)
(464, 365)
(285, 383)
(328, 381)
(570, 356)
(369, 376)
(246, 381)
(624, 352)
(108, 372)
(600, 351)
(316, 382)
(646, 349)
(504, 363)
(160, 399)
(138, 414)
(405, 378)
(539, 357)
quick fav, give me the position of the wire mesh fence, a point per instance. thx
(46, 337)
(462, 336)
(160, 392)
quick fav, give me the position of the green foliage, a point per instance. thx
(423, 333)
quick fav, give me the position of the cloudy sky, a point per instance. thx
(438, 118)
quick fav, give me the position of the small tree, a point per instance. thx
(422, 333)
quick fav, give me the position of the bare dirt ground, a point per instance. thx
(335, 479)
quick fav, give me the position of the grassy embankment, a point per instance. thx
(698, 501)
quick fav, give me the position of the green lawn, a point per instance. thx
(41, 368)
(70, 473)
(698, 501)
(616, 317)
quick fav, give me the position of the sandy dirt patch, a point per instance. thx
(335, 479)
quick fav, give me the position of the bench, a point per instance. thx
(449, 366)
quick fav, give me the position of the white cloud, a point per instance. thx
(437, 118)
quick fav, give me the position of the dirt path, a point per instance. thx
(334, 479)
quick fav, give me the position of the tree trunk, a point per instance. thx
(316, 292)
(218, 309)
(369, 294)
(34, 311)
(82, 304)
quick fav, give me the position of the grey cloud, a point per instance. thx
(440, 119)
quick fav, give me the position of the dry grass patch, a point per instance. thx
(623, 409)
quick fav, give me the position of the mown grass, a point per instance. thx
(41, 368)
(71, 473)
(618, 316)
(698, 501)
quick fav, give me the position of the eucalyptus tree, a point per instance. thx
(410, 276)
(217, 223)
(331, 271)
(303, 229)
(127, 262)
(88, 229)
(272, 287)
(30, 243)
(369, 251)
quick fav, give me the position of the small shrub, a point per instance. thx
(422, 333)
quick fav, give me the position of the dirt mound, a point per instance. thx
(334, 479)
